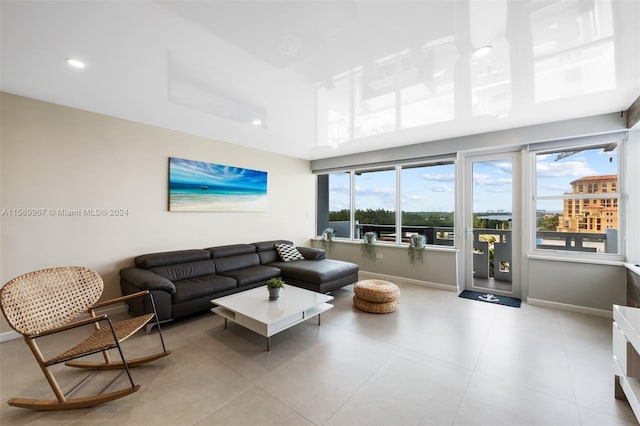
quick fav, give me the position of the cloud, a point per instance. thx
(449, 177)
(556, 169)
(339, 206)
(414, 197)
(503, 166)
(490, 180)
(339, 189)
(554, 188)
(499, 190)
(441, 188)
(375, 191)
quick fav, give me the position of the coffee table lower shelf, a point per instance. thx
(269, 329)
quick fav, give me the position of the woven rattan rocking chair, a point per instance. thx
(50, 301)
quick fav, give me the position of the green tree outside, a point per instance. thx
(387, 217)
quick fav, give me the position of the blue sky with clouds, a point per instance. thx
(431, 188)
(423, 189)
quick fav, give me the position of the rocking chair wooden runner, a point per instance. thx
(49, 301)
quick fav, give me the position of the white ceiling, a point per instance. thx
(327, 78)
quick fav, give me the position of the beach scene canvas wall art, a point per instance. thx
(200, 186)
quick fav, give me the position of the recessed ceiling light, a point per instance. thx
(75, 63)
(256, 122)
(503, 115)
(482, 51)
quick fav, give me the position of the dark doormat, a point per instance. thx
(491, 298)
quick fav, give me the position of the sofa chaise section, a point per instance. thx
(315, 272)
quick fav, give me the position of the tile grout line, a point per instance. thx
(474, 369)
(365, 382)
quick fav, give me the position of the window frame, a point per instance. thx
(582, 193)
(397, 167)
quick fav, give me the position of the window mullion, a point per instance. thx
(398, 205)
(352, 203)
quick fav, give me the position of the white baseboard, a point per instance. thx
(111, 310)
(364, 275)
(9, 335)
(572, 308)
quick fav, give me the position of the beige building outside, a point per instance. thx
(585, 214)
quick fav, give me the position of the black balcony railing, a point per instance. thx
(434, 235)
(492, 248)
(589, 242)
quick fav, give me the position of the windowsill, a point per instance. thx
(392, 245)
(575, 260)
(633, 267)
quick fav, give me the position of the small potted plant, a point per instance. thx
(416, 248)
(368, 245)
(274, 285)
(327, 239)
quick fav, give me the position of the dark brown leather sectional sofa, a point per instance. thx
(184, 282)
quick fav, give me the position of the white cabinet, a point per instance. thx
(626, 358)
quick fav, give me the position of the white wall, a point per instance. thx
(54, 157)
(633, 200)
(437, 269)
(586, 287)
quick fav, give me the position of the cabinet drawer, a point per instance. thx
(626, 356)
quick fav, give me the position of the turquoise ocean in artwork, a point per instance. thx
(199, 186)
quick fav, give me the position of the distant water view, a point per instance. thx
(199, 186)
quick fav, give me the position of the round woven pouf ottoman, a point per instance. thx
(376, 296)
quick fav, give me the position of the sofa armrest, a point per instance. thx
(311, 253)
(144, 279)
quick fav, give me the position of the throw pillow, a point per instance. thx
(288, 253)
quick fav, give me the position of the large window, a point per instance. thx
(340, 203)
(428, 202)
(394, 202)
(576, 200)
(375, 204)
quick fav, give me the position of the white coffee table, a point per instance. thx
(252, 309)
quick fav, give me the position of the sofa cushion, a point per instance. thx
(182, 271)
(152, 260)
(144, 279)
(311, 253)
(267, 250)
(269, 256)
(288, 253)
(231, 250)
(252, 274)
(316, 271)
(241, 261)
(269, 245)
(206, 285)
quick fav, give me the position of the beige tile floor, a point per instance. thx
(439, 360)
